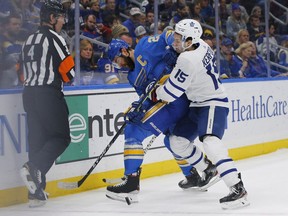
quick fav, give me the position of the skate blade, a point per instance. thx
(36, 203)
(31, 186)
(211, 183)
(194, 189)
(240, 203)
(123, 197)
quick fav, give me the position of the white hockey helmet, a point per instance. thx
(189, 28)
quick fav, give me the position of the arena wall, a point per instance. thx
(257, 124)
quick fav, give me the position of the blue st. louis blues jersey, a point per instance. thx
(148, 60)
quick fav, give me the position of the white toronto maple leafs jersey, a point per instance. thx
(196, 75)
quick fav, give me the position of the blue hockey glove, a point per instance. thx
(170, 57)
(135, 114)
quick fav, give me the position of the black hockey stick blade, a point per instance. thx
(73, 185)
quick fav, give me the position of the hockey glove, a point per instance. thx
(136, 113)
(151, 90)
(170, 57)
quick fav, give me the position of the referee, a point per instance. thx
(46, 63)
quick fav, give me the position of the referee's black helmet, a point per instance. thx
(51, 7)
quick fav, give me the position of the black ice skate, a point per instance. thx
(236, 198)
(209, 176)
(191, 181)
(37, 199)
(127, 190)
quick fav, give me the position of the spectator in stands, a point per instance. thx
(195, 9)
(142, 19)
(241, 37)
(146, 5)
(38, 3)
(183, 12)
(1, 51)
(12, 39)
(84, 10)
(95, 10)
(92, 31)
(121, 32)
(140, 32)
(244, 14)
(254, 28)
(83, 4)
(223, 12)
(69, 26)
(209, 42)
(257, 11)
(105, 30)
(273, 44)
(107, 73)
(160, 28)
(30, 14)
(111, 20)
(235, 23)
(207, 12)
(133, 21)
(66, 4)
(226, 53)
(283, 53)
(175, 6)
(165, 9)
(109, 8)
(240, 66)
(87, 65)
(208, 35)
(149, 20)
(90, 28)
(121, 6)
(257, 65)
(7, 8)
(283, 28)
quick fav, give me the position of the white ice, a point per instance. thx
(264, 178)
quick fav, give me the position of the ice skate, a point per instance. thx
(237, 197)
(38, 199)
(31, 177)
(209, 176)
(191, 181)
(127, 190)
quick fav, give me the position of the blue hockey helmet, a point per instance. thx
(115, 47)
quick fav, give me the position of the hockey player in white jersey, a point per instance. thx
(195, 74)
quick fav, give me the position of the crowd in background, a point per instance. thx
(243, 51)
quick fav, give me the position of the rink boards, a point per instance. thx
(257, 124)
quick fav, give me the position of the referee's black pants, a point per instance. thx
(48, 126)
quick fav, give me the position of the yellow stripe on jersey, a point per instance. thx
(153, 110)
(163, 79)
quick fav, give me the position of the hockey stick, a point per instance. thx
(118, 180)
(73, 185)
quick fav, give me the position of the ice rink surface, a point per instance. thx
(264, 178)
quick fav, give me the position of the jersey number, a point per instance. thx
(180, 76)
(212, 71)
(31, 53)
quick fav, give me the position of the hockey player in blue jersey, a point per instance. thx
(147, 63)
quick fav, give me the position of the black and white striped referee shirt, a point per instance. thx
(46, 59)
